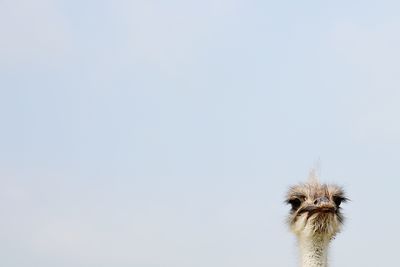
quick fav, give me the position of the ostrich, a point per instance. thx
(315, 218)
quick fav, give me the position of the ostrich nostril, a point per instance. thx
(316, 202)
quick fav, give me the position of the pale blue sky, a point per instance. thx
(165, 133)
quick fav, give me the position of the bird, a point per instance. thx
(315, 218)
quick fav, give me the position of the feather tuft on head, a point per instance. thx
(313, 176)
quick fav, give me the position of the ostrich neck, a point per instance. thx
(314, 251)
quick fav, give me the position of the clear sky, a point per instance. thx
(165, 133)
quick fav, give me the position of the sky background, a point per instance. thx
(165, 133)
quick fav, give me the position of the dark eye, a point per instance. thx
(338, 200)
(295, 202)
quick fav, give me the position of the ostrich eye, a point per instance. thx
(338, 200)
(295, 202)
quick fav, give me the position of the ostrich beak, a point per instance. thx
(321, 201)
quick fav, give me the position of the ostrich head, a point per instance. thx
(315, 209)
